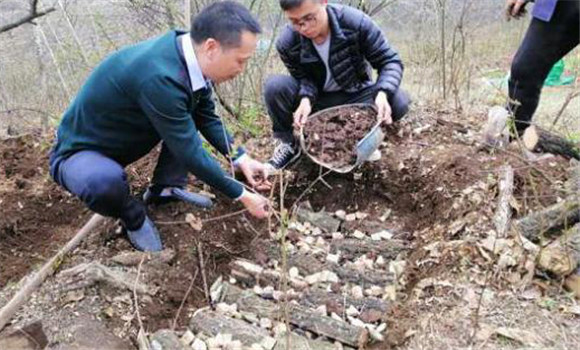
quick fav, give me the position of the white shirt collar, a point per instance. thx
(195, 76)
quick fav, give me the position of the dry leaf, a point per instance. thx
(193, 221)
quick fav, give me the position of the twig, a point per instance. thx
(503, 212)
(319, 178)
(33, 14)
(183, 222)
(202, 268)
(572, 95)
(174, 324)
(136, 300)
(47, 269)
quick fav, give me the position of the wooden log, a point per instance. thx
(556, 217)
(300, 316)
(308, 264)
(212, 323)
(323, 220)
(46, 270)
(370, 307)
(352, 248)
(562, 256)
(503, 212)
(539, 140)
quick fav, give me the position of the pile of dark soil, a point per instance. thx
(331, 137)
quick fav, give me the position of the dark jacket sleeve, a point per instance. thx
(381, 56)
(165, 104)
(212, 128)
(288, 47)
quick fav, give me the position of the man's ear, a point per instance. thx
(211, 47)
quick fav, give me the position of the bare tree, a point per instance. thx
(33, 14)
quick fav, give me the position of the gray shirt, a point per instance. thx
(323, 50)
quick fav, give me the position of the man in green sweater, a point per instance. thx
(158, 91)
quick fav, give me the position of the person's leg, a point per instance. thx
(281, 97)
(101, 183)
(544, 44)
(169, 172)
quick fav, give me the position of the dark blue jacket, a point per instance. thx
(356, 45)
(139, 96)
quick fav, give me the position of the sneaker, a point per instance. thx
(284, 155)
(162, 195)
(146, 238)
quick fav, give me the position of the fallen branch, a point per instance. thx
(47, 270)
(538, 140)
(556, 217)
(503, 212)
(202, 268)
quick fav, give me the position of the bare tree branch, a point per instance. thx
(34, 14)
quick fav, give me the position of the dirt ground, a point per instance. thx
(433, 187)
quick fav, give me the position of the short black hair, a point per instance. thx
(223, 21)
(291, 4)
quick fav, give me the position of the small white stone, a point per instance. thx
(278, 295)
(356, 322)
(258, 290)
(313, 279)
(380, 262)
(358, 234)
(320, 242)
(268, 343)
(309, 240)
(226, 309)
(341, 214)
(187, 338)
(360, 216)
(316, 231)
(384, 234)
(328, 276)
(293, 272)
(333, 258)
(256, 347)
(265, 323)
(350, 217)
(336, 317)
(198, 344)
(376, 237)
(279, 329)
(321, 310)
(374, 291)
(337, 235)
(357, 292)
(250, 317)
(268, 292)
(223, 339)
(233, 280)
(352, 311)
(382, 327)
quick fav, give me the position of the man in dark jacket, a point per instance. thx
(553, 32)
(158, 90)
(330, 51)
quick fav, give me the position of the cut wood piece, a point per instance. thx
(338, 303)
(539, 140)
(252, 274)
(556, 217)
(323, 220)
(353, 248)
(31, 285)
(212, 323)
(134, 258)
(562, 256)
(308, 264)
(503, 212)
(298, 342)
(299, 316)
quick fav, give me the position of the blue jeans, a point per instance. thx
(101, 183)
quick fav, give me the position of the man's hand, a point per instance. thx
(383, 108)
(257, 205)
(255, 172)
(515, 8)
(302, 112)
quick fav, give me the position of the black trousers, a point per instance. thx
(281, 97)
(544, 44)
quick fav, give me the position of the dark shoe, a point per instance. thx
(284, 155)
(162, 195)
(146, 238)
